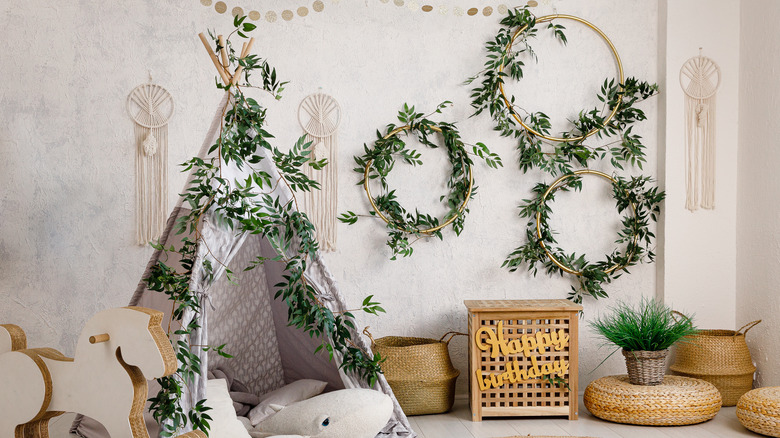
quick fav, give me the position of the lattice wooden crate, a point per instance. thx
(523, 358)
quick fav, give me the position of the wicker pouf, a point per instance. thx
(675, 402)
(759, 411)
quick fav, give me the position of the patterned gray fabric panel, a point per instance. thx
(242, 318)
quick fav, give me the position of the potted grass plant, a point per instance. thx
(644, 332)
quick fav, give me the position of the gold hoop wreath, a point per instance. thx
(431, 230)
(637, 194)
(558, 183)
(404, 228)
(506, 99)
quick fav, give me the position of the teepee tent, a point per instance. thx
(267, 352)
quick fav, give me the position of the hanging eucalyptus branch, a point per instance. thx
(505, 60)
(636, 199)
(403, 227)
(247, 206)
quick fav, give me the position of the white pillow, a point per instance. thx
(294, 392)
(224, 423)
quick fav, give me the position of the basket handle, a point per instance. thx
(676, 314)
(453, 334)
(749, 326)
(368, 333)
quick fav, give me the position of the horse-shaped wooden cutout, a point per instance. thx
(118, 350)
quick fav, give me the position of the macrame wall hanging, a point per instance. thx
(700, 79)
(319, 115)
(151, 107)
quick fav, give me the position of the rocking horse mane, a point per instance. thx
(160, 338)
(18, 337)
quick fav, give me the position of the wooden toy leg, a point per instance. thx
(31, 430)
(12, 338)
(193, 434)
(40, 428)
(26, 385)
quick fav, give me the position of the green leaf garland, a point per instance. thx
(405, 228)
(504, 61)
(636, 199)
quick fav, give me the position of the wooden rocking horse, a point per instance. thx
(118, 350)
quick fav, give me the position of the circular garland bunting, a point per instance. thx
(636, 198)
(379, 160)
(537, 147)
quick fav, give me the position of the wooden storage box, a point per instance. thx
(514, 345)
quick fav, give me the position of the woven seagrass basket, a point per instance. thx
(420, 372)
(720, 357)
(646, 368)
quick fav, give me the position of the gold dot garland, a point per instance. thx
(444, 9)
(301, 11)
(221, 7)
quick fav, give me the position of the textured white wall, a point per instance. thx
(758, 235)
(67, 170)
(699, 249)
(67, 173)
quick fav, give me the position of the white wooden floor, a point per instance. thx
(457, 424)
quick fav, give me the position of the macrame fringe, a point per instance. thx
(700, 155)
(151, 183)
(322, 205)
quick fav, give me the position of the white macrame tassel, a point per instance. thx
(151, 107)
(319, 116)
(703, 77)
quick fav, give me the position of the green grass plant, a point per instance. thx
(646, 326)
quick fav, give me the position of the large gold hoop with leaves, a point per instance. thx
(519, 119)
(432, 230)
(555, 186)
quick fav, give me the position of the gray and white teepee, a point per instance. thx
(267, 352)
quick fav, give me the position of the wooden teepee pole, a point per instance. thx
(227, 78)
(221, 70)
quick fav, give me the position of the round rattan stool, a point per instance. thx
(677, 401)
(759, 411)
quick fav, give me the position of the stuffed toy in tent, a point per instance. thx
(353, 413)
(268, 353)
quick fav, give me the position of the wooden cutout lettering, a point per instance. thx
(530, 346)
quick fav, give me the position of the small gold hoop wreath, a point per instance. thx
(432, 230)
(555, 186)
(519, 119)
